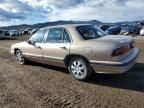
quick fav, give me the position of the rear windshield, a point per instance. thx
(90, 32)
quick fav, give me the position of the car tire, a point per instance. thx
(19, 56)
(80, 68)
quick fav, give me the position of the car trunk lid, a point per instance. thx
(117, 38)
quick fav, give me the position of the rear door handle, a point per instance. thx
(64, 47)
(38, 47)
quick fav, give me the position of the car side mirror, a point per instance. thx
(30, 42)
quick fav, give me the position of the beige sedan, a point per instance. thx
(83, 49)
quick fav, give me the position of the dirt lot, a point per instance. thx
(42, 86)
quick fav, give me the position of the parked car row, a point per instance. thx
(123, 29)
(16, 33)
(111, 29)
(28, 31)
(9, 33)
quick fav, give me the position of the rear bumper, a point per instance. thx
(110, 67)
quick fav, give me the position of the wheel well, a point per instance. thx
(68, 57)
(16, 50)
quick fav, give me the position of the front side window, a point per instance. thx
(90, 32)
(58, 35)
(38, 37)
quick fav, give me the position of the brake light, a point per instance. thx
(120, 51)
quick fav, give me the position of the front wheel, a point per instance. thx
(20, 57)
(80, 68)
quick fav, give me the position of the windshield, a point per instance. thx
(90, 32)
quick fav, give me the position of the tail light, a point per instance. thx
(120, 51)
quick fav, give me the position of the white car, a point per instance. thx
(142, 32)
(13, 33)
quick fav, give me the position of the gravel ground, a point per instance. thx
(42, 86)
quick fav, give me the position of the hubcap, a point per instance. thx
(78, 69)
(20, 57)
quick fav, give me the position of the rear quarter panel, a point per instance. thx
(93, 51)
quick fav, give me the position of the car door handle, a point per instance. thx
(64, 47)
(38, 47)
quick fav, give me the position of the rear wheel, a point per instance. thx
(80, 68)
(20, 57)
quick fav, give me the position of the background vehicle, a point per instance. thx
(33, 31)
(6, 33)
(21, 32)
(127, 29)
(113, 30)
(13, 33)
(142, 32)
(105, 27)
(83, 49)
(2, 35)
(27, 31)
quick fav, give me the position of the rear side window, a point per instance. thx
(58, 35)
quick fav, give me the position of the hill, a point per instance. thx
(40, 25)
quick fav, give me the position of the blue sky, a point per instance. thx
(14, 12)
